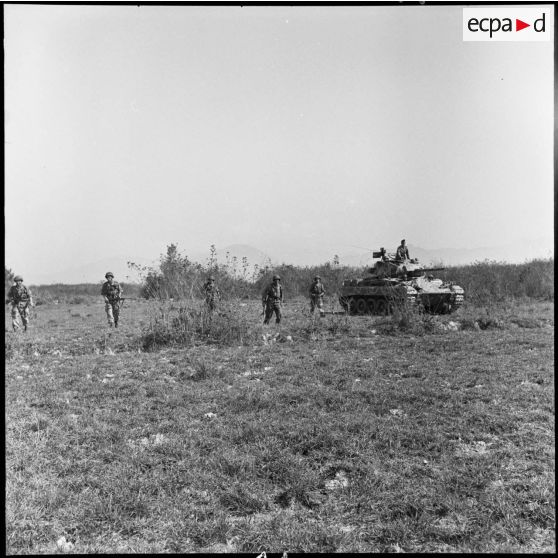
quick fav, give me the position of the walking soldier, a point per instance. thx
(112, 292)
(212, 293)
(19, 296)
(272, 299)
(317, 293)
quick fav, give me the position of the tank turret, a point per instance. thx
(392, 281)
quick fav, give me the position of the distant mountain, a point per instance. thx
(518, 252)
(299, 255)
(510, 253)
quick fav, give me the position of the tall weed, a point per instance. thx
(490, 281)
(189, 323)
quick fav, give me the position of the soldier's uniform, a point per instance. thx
(402, 252)
(212, 294)
(112, 291)
(272, 299)
(19, 296)
(317, 293)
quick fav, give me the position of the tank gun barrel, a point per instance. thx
(433, 269)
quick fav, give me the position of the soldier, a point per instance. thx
(112, 291)
(272, 299)
(402, 252)
(212, 293)
(19, 296)
(317, 293)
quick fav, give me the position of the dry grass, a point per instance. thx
(321, 435)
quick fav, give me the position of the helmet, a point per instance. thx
(211, 278)
(18, 278)
(109, 274)
(276, 277)
(317, 277)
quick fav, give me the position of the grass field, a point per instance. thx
(321, 435)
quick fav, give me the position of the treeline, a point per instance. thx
(486, 281)
(495, 281)
(179, 278)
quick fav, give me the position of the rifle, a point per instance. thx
(124, 298)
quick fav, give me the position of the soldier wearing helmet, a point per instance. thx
(212, 293)
(112, 293)
(402, 252)
(19, 296)
(317, 293)
(272, 299)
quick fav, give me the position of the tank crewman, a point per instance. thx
(317, 293)
(112, 292)
(272, 299)
(402, 252)
(212, 293)
(19, 296)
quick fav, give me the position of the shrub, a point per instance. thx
(413, 319)
(179, 278)
(488, 281)
(187, 324)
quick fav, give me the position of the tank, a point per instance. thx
(392, 282)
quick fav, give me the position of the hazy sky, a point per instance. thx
(280, 127)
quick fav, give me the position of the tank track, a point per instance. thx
(381, 306)
(373, 305)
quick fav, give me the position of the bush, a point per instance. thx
(187, 325)
(487, 282)
(180, 279)
(409, 318)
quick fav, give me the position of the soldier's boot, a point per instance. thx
(115, 323)
(24, 327)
